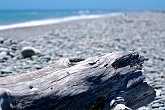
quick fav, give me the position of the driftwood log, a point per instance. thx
(105, 82)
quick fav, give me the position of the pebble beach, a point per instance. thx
(143, 32)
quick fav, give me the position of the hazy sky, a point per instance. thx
(83, 4)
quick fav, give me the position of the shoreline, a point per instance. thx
(39, 28)
(43, 22)
(57, 20)
(19, 31)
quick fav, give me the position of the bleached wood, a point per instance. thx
(79, 84)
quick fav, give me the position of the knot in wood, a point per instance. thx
(76, 60)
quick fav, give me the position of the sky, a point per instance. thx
(83, 4)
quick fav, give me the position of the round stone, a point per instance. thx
(1, 40)
(29, 52)
(3, 54)
(156, 105)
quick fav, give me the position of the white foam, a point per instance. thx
(54, 21)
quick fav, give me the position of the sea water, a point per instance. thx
(25, 18)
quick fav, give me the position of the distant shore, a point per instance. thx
(35, 23)
(44, 26)
(41, 27)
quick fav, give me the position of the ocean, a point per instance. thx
(25, 18)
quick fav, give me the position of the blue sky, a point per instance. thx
(84, 4)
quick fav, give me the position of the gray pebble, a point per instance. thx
(29, 51)
(5, 71)
(2, 55)
(161, 108)
(1, 40)
(37, 66)
(2, 49)
(156, 105)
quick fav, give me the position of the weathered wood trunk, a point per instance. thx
(79, 84)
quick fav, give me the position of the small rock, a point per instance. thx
(2, 55)
(5, 71)
(158, 92)
(161, 108)
(1, 40)
(158, 97)
(3, 49)
(158, 86)
(29, 52)
(47, 57)
(11, 54)
(156, 105)
(37, 66)
(14, 48)
(34, 57)
(162, 75)
(7, 57)
(3, 75)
